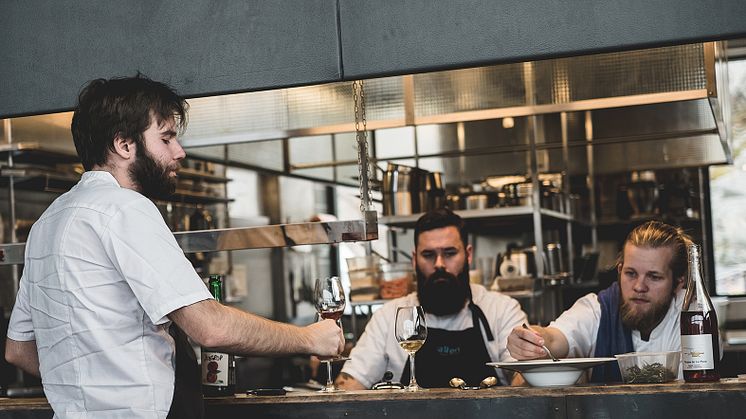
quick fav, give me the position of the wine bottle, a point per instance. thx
(218, 368)
(700, 344)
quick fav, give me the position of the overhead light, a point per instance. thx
(508, 122)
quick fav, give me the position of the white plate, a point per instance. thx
(548, 373)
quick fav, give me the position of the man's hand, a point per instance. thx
(324, 338)
(526, 343)
(345, 381)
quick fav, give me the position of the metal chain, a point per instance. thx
(361, 135)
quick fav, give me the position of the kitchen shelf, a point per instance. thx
(35, 153)
(508, 214)
(188, 173)
(191, 197)
(613, 222)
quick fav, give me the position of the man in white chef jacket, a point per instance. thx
(639, 312)
(104, 278)
(467, 325)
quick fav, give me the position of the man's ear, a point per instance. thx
(124, 147)
(469, 252)
(680, 281)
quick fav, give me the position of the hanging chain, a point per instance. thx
(361, 135)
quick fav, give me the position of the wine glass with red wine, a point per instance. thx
(329, 298)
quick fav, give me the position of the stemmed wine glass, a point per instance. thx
(329, 298)
(411, 332)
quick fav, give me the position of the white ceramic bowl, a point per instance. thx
(545, 377)
(548, 373)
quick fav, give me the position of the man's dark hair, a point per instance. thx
(121, 106)
(439, 218)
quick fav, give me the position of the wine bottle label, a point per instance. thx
(696, 352)
(214, 369)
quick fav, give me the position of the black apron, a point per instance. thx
(448, 353)
(187, 402)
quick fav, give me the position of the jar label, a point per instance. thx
(696, 352)
(214, 369)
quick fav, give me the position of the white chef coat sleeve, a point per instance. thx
(368, 358)
(512, 316)
(20, 327)
(580, 324)
(144, 251)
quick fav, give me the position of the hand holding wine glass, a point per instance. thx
(411, 332)
(329, 299)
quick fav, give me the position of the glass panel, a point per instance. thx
(728, 196)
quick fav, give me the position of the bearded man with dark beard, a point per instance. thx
(108, 299)
(639, 312)
(467, 325)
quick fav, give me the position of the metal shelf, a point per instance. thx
(259, 237)
(35, 153)
(483, 214)
(188, 173)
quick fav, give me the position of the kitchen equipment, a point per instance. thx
(553, 259)
(396, 280)
(454, 202)
(404, 189)
(364, 273)
(642, 194)
(513, 264)
(387, 384)
(525, 326)
(477, 201)
(649, 367)
(518, 262)
(435, 190)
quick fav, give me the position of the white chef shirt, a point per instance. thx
(378, 351)
(102, 272)
(580, 324)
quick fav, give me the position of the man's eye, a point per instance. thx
(428, 255)
(166, 141)
(451, 253)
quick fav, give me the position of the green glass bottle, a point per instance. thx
(218, 368)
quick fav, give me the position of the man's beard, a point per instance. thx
(644, 321)
(443, 293)
(151, 178)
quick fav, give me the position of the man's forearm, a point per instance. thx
(255, 335)
(23, 355)
(214, 325)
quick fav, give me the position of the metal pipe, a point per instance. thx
(591, 179)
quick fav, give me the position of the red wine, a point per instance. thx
(700, 346)
(332, 314)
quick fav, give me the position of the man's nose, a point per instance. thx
(640, 285)
(180, 153)
(440, 261)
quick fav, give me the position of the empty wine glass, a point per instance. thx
(411, 332)
(329, 299)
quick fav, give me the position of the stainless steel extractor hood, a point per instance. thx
(668, 105)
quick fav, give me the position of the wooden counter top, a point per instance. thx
(726, 399)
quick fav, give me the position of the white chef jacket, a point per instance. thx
(378, 351)
(580, 324)
(102, 272)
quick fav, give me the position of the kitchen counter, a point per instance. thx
(726, 399)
